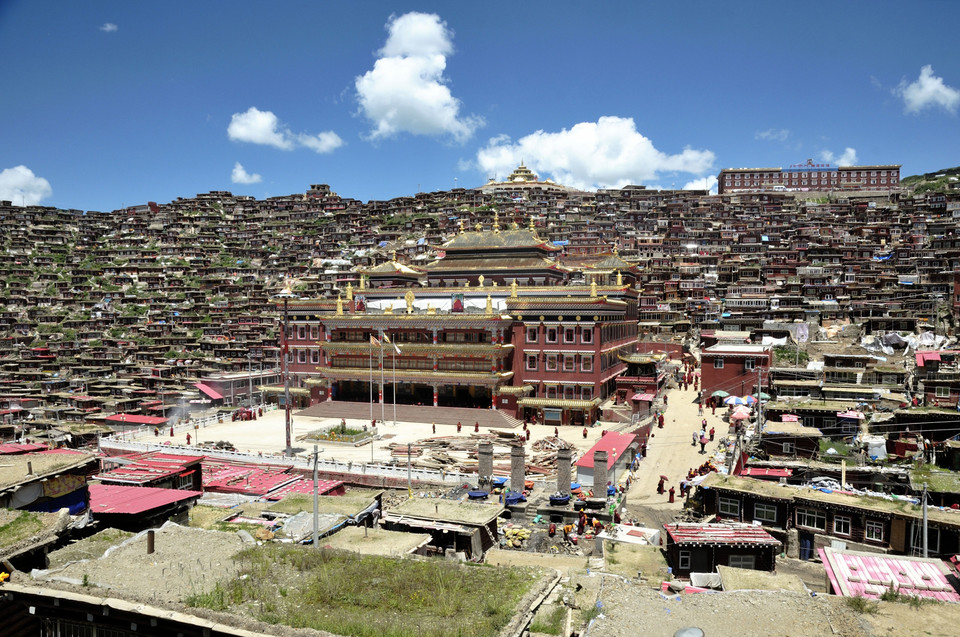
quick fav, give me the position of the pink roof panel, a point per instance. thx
(613, 443)
(869, 575)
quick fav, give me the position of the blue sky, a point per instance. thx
(108, 104)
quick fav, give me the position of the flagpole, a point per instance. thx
(382, 406)
(371, 381)
(395, 348)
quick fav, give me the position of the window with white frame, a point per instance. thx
(551, 391)
(812, 519)
(765, 512)
(943, 392)
(569, 335)
(551, 362)
(586, 363)
(531, 362)
(718, 363)
(568, 391)
(729, 506)
(301, 356)
(683, 560)
(742, 561)
(314, 356)
(532, 334)
(841, 525)
(302, 333)
(748, 364)
(314, 332)
(789, 448)
(849, 428)
(586, 335)
(873, 531)
(586, 393)
(551, 334)
(569, 364)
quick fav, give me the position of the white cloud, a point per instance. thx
(704, 183)
(258, 127)
(406, 90)
(20, 186)
(263, 127)
(108, 27)
(848, 158)
(773, 134)
(325, 142)
(241, 176)
(607, 153)
(928, 91)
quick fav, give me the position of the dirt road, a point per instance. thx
(670, 453)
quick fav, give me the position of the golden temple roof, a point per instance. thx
(391, 267)
(511, 238)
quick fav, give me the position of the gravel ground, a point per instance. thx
(185, 561)
(630, 609)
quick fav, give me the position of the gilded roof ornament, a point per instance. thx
(593, 288)
(388, 309)
(489, 305)
(480, 280)
(513, 289)
(350, 289)
(462, 230)
(619, 278)
(409, 297)
(496, 221)
(339, 305)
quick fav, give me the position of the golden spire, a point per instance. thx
(339, 305)
(409, 297)
(461, 226)
(350, 288)
(513, 289)
(363, 284)
(616, 250)
(496, 221)
(593, 288)
(489, 305)
(619, 278)
(478, 227)
(532, 227)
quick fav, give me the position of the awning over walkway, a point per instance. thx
(209, 391)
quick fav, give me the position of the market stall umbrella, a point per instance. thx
(741, 409)
(739, 415)
(749, 400)
(762, 396)
(720, 393)
(734, 400)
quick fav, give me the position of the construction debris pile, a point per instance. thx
(459, 453)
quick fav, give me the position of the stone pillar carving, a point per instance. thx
(600, 474)
(564, 456)
(518, 470)
(485, 457)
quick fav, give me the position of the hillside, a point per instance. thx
(932, 182)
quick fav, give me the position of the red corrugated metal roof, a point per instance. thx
(773, 473)
(923, 357)
(613, 443)
(14, 448)
(115, 498)
(719, 534)
(209, 391)
(136, 419)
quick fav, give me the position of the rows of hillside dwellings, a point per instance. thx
(155, 298)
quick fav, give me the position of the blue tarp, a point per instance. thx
(75, 502)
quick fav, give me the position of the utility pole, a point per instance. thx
(316, 500)
(286, 375)
(250, 379)
(923, 503)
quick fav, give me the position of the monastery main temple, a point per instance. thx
(497, 322)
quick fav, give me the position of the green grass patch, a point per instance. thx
(368, 596)
(25, 525)
(862, 605)
(549, 620)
